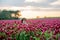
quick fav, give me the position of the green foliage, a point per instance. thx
(57, 36)
(6, 14)
(21, 36)
(3, 34)
(47, 35)
(24, 36)
(36, 38)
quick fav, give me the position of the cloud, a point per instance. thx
(55, 3)
(31, 8)
(37, 1)
(20, 3)
(32, 11)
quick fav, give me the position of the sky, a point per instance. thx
(33, 8)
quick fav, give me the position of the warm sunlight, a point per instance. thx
(29, 19)
(30, 13)
(33, 12)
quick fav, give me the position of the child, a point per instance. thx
(23, 21)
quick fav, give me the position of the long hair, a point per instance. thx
(24, 19)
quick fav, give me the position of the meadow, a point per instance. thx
(37, 29)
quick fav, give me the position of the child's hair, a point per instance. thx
(23, 20)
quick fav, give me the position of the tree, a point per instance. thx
(6, 14)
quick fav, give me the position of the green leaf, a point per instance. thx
(36, 38)
(39, 32)
(23, 36)
(47, 35)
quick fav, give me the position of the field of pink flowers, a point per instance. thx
(37, 29)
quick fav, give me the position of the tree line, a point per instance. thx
(6, 14)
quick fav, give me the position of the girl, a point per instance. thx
(23, 21)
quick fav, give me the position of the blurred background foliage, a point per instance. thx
(9, 14)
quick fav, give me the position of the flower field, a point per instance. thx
(37, 29)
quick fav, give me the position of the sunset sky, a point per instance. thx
(33, 8)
